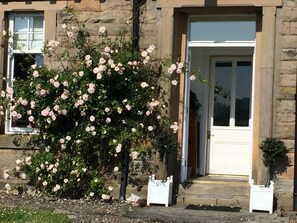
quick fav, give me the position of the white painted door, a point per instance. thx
(230, 115)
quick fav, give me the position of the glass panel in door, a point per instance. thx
(243, 93)
(232, 93)
(222, 93)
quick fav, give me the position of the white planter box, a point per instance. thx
(159, 192)
(261, 197)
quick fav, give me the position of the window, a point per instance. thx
(222, 29)
(24, 49)
(27, 31)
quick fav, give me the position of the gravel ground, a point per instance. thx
(115, 211)
(81, 211)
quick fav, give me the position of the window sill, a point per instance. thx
(14, 141)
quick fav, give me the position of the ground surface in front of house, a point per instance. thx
(84, 211)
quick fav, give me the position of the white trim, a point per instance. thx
(10, 66)
(252, 112)
(26, 51)
(221, 44)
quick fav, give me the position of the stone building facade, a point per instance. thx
(284, 119)
(170, 25)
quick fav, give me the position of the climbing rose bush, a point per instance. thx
(101, 98)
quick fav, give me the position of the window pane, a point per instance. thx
(20, 123)
(39, 59)
(28, 33)
(220, 31)
(20, 24)
(22, 62)
(36, 24)
(222, 93)
(20, 41)
(35, 41)
(243, 93)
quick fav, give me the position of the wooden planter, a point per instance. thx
(261, 197)
(159, 192)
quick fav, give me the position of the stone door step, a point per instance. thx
(234, 202)
(215, 191)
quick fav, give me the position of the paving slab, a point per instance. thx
(228, 202)
(201, 201)
(179, 214)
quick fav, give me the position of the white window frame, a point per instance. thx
(9, 129)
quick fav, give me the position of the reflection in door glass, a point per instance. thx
(222, 93)
(243, 93)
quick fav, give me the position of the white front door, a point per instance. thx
(230, 115)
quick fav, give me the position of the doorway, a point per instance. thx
(222, 49)
(225, 116)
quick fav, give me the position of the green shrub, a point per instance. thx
(82, 111)
(273, 150)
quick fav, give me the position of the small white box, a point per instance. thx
(159, 192)
(261, 197)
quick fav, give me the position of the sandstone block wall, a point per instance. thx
(284, 97)
(114, 15)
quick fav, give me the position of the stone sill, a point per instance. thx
(13, 142)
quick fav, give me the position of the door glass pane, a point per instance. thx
(222, 93)
(243, 93)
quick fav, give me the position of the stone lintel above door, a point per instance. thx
(211, 3)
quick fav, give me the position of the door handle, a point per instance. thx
(209, 134)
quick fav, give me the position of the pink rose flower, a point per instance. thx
(35, 73)
(45, 111)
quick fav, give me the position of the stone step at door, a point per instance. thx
(214, 192)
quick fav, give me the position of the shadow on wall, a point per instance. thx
(209, 3)
(173, 169)
(140, 1)
(282, 165)
(280, 200)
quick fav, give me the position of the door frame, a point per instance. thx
(208, 52)
(211, 49)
